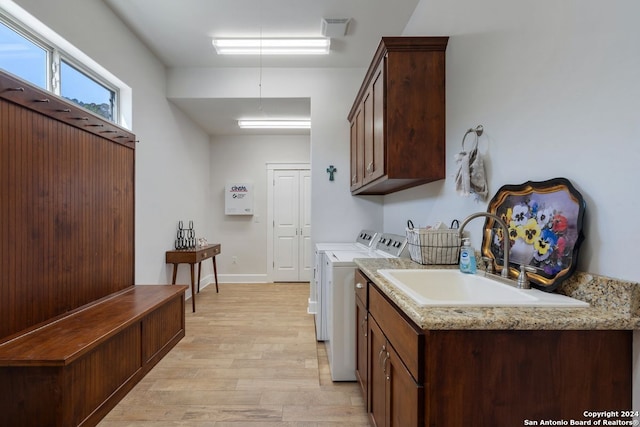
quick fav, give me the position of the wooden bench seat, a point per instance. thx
(84, 363)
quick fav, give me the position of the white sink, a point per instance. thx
(451, 288)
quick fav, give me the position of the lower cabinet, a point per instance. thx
(395, 396)
(362, 318)
(449, 378)
(524, 377)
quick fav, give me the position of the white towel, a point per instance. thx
(470, 176)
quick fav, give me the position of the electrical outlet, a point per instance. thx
(234, 260)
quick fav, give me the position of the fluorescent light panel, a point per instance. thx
(244, 46)
(274, 124)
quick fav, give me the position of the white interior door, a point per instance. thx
(306, 250)
(292, 255)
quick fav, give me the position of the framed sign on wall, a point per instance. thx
(238, 198)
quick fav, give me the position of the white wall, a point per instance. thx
(244, 159)
(555, 85)
(172, 157)
(336, 215)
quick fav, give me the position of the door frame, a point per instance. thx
(271, 167)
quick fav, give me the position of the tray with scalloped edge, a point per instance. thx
(544, 221)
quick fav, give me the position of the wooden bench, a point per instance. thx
(74, 370)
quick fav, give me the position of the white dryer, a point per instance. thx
(338, 279)
(364, 242)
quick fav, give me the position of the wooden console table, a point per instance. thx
(191, 257)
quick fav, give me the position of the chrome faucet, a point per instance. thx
(505, 236)
(523, 279)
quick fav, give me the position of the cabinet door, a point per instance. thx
(377, 378)
(403, 96)
(367, 114)
(361, 346)
(394, 396)
(403, 394)
(357, 150)
(374, 142)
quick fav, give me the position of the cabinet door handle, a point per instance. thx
(359, 285)
(380, 354)
(384, 366)
(370, 166)
(354, 179)
(363, 326)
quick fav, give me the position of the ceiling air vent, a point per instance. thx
(335, 27)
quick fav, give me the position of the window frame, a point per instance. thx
(30, 37)
(87, 73)
(54, 59)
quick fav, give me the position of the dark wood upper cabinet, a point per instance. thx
(398, 117)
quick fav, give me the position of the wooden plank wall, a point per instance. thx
(66, 207)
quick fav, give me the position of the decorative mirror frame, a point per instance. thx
(545, 229)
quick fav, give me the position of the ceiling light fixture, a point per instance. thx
(274, 124)
(283, 46)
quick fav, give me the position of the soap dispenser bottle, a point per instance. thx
(467, 257)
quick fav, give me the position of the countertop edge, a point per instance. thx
(617, 314)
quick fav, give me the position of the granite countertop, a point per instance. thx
(614, 304)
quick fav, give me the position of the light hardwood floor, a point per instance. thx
(249, 358)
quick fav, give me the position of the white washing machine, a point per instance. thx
(364, 242)
(340, 313)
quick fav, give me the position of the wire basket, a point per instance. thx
(428, 246)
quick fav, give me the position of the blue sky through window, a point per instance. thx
(76, 85)
(27, 60)
(22, 57)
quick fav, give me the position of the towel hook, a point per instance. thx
(478, 131)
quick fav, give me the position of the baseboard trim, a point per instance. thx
(312, 307)
(239, 278)
(233, 278)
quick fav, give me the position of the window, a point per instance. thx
(85, 91)
(25, 56)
